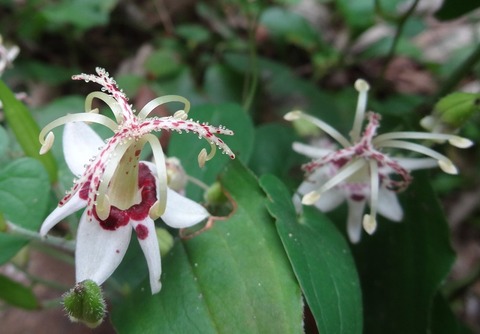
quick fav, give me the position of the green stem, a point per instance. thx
(31, 235)
(398, 33)
(52, 303)
(252, 77)
(38, 280)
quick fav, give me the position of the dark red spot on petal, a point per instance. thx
(84, 191)
(142, 231)
(357, 197)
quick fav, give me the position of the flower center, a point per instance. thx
(117, 217)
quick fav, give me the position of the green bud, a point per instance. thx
(84, 303)
(452, 112)
(214, 195)
(165, 240)
(305, 128)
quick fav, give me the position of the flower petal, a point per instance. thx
(417, 163)
(74, 204)
(354, 220)
(80, 143)
(310, 151)
(147, 237)
(329, 199)
(389, 206)
(99, 251)
(182, 212)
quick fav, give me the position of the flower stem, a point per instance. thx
(398, 33)
(251, 81)
(39, 280)
(31, 235)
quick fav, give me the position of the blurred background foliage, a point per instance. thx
(244, 64)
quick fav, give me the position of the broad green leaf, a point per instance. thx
(17, 294)
(403, 264)
(290, 27)
(358, 14)
(222, 84)
(272, 152)
(10, 245)
(25, 129)
(24, 192)
(233, 278)
(163, 63)
(194, 34)
(187, 146)
(321, 260)
(442, 320)
(81, 14)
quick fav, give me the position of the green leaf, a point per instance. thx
(233, 278)
(24, 190)
(194, 34)
(163, 63)
(277, 140)
(3, 141)
(187, 146)
(452, 9)
(443, 321)
(222, 84)
(402, 265)
(10, 245)
(16, 294)
(359, 14)
(82, 14)
(25, 129)
(457, 108)
(290, 27)
(322, 262)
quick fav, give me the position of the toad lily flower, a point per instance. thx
(119, 191)
(359, 172)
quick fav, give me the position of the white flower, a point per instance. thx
(7, 55)
(359, 172)
(119, 191)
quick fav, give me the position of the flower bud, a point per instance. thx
(177, 177)
(452, 112)
(303, 127)
(84, 303)
(214, 195)
(165, 240)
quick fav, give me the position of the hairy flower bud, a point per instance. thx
(84, 303)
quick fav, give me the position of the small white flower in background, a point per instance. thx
(7, 55)
(359, 172)
(119, 191)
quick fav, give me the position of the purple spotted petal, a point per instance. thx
(74, 204)
(147, 238)
(99, 251)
